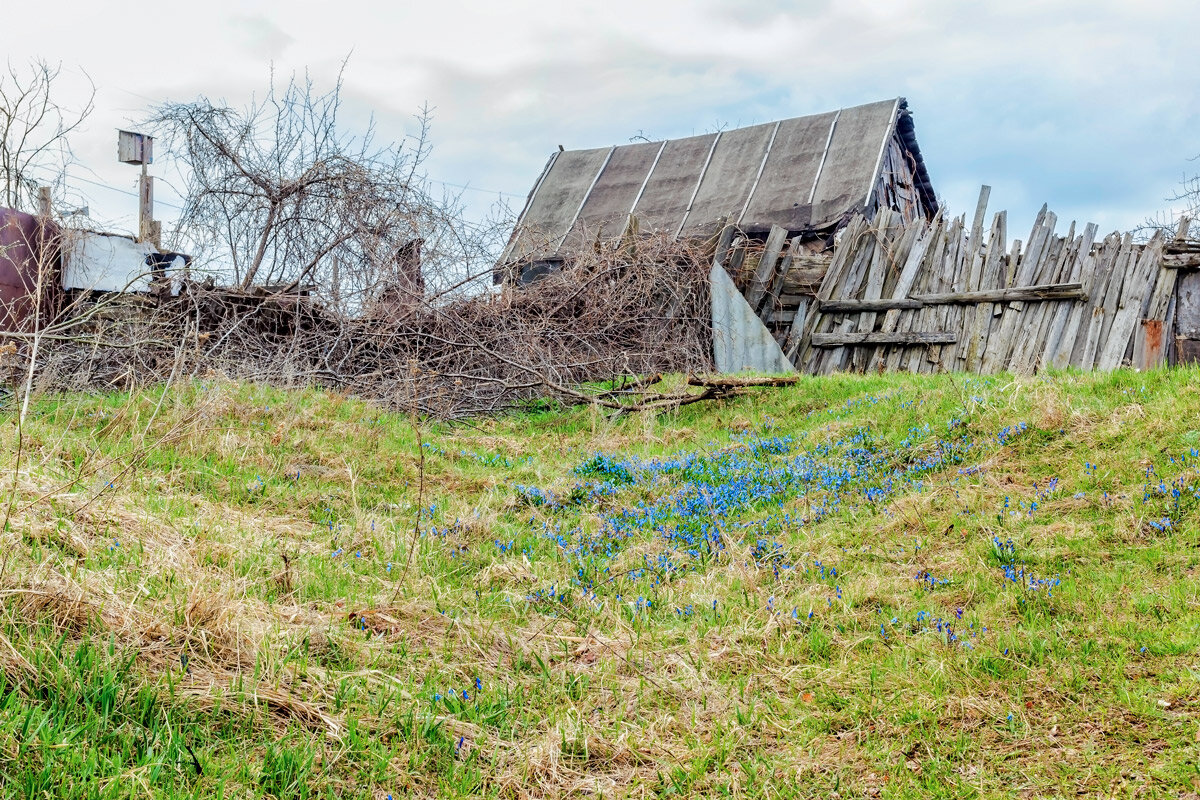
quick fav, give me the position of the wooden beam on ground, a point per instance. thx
(879, 337)
(1046, 291)
(859, 306)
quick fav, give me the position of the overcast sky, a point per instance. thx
(1093, 107)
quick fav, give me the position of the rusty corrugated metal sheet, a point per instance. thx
(22, 240)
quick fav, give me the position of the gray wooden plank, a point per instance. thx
(764, 273)
(975, 242)
(934, 278)
(876, 275)
(920, 279)
(1065, 325)
(1029, 351)
(981, 316)
(835, 359)
(995, 350)
(877, 337)
(927, 235)
(1130, 305)
(772, 301)
(1122, 267)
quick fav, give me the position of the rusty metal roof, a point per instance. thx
(802, 173)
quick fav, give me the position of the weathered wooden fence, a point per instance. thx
(944, 296)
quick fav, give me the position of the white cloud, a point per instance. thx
(1088, 105)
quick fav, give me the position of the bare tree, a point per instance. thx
(34, 131)
(283, 193)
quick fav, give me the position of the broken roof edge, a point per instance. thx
(906, 129)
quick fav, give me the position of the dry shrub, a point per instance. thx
(641, 308)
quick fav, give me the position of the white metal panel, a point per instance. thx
(102, 263)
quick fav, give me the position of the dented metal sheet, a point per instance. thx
(740, 340)
(107, 263)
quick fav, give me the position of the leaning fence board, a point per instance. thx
(1130, 306)
(1104, 258)
(833, 360)
(980, 317)
(791, 343)
(949, 318)
(1060, 326)
(876, 275)
(995, 352)
(1084, 354)
(1118, 281)
(1020, 325)
(1058, 355)
(908, 357)
(785, 266)
(1031, 352)
(975, 253)
(843, 254)
(1031, 345)
(765, 272)
(934, 235)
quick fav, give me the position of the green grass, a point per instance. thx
(892, 586)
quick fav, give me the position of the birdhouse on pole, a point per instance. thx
(138, 148)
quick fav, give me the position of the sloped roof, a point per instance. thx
(801, 173)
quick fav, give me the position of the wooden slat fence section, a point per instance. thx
(947, 296)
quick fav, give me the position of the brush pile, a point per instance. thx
(611, 313)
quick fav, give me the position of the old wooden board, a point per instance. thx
(873, 290)
(844, 253)
(764, 273)
(773, 299)
(1031, 346)
(913, 263)
(832, 360)
(980, 317)
(878, 337)
(1129, 306)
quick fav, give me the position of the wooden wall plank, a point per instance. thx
(1129, 306)
(765, 271)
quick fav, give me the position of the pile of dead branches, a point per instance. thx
(607, 315)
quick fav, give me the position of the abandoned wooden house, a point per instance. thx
(829, 252)
(808, 175)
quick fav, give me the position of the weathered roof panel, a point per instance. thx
(674, 180)
(802, 173)
(553, 207)
(729, 177)
(853, 160)
(790, 173)
(608, 206)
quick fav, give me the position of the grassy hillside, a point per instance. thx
(900, 586)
